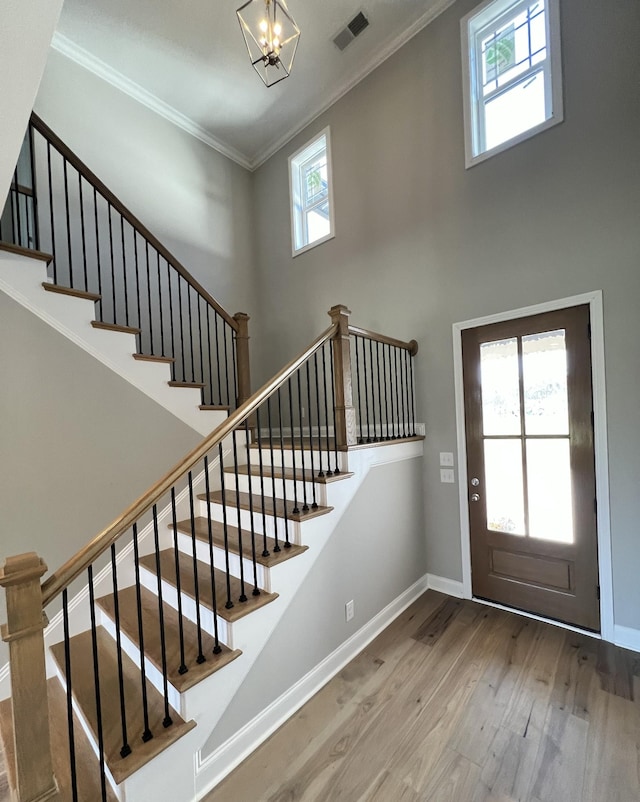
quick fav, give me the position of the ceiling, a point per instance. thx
(187, 60)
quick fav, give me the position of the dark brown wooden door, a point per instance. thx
(530, 465)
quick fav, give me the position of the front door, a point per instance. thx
(530, 465)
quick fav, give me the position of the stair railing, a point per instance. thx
(57, 205)
(281, 441)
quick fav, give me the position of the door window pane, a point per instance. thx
(500, 387)
(504, 489)
(549, 485)
(544, 366)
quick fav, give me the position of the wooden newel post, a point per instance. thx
(242, 357)
(345, 433)
(20, 576)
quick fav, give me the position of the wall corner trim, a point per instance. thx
(452, 587)
(626, 637)
(213, 768)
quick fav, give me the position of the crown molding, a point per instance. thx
(381, 56)
(103, 70)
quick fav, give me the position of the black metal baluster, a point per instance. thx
(124, 273)
(171, 322)
(234, 346)
(265, 550)
(84, 234)
(193, 360)
(386, 398)
(176, 553)
(393, 425)
(379, 383)
(336, 470)
(34, 188)
(360, 416)
(98, 257)
(147, 735)
(15, 210)
(196, 581)
(273, 476)
(225, 528)
(315, 373)
(395, 371)
(113, 269)
(67, 671)
(138, 306)
(68, 217)
(209, 398)
(366, 387)
(214, 595)
(413, 399)
(256, 589)
(52, 216)
(160, 306)
(96, 680)
(243, 595)
(314, 503)
(296, 509)
(405, 398)
(226, 360)
(167, 721)
(287, 544)
(126, 749)
(215, 318)
(373, 392)
(326, 410)
(305, 506)
(199, 301)
(152, 349)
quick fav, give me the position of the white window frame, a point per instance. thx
(473, 27)
(298, 219)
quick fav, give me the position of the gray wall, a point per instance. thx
(78, 444)
(196, 201)
(422, 243)
(375, 553)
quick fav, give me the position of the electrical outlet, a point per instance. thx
(447, 475)
(349, 610)
(446, 458)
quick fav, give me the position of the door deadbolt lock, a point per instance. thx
(475, 481)
(475, 497)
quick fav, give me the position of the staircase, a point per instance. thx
(165, 611)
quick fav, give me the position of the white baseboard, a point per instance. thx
(626, 637)
(449, 586)
(212, 769)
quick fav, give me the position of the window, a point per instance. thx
(512, 75)
(311, 194)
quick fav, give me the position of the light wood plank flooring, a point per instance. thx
(458, 702)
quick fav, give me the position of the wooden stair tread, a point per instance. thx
(246, 501)
(83, 689)
(9, 247)
(87, 765)
(187, 584)
(74, 293)
(151, 358)
(99, 324)
(151, 631)
(290, 474)
(196, 385)
(201, 529)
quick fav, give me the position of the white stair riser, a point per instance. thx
(288, 457)
(153, 674)
(185, 544)
(267, 526)
(276, 487)
(170, 596)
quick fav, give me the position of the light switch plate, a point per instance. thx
(447, 475)
(446, 458)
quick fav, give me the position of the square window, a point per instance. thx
(511, 72)
(311, 194)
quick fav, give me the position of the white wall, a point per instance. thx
(196, 201)
(26, 30)
(422, 243)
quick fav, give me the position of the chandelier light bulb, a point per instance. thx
(271, 36)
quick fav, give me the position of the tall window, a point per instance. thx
(512, 74)
(311, 194)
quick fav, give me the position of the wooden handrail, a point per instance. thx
(63, 577)
(412, 346)
(117, 204)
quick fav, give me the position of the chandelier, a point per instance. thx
(271, 36)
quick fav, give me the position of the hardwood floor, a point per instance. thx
(457, 702)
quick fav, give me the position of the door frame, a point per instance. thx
(594, 300)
